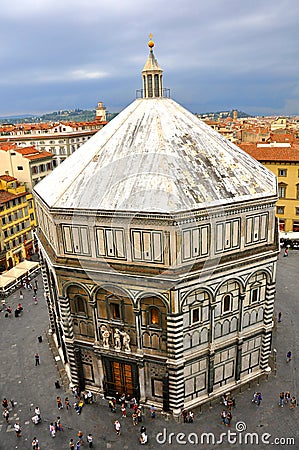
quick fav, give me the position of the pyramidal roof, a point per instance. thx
(155, 156)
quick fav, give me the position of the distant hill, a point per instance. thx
(87, 115)
(76, 115)
(222, 114)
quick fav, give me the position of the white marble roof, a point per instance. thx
(155, 156)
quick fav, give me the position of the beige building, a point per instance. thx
(27, 164)
(61, 139)
(159, 244)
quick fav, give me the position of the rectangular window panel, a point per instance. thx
(100, 241)
(219, 237)
(136, 244)
(227, 238)
(195, 242)
(76, 239)
(186, 244)
(256, 229)
(249, 223)
(157, 246)
(264, 226)
(85, 241)
(147, 252)
(235, 230)
(204, 241)
(119, 240)
(68, 248)
(110, 243)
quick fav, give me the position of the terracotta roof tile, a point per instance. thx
(272, 153)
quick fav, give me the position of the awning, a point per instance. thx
(13, 275)
(6, 282)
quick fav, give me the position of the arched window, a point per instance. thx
(154, 316)
(227, 300)
(80, 305)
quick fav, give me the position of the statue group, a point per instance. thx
(121, 339)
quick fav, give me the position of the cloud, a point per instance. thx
(213, 53)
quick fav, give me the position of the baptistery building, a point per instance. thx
(158, 247)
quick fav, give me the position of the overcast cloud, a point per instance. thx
(216, 55)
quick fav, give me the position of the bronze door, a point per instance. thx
(121, 377)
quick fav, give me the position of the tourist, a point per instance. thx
(37, 360)
(293, 402)
(117, 427)
(18, 429)
(52, 430)
(59, 402)
(90, 440)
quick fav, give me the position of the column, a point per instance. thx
(240, 339)
(137, 314)
(268, 318)
(175, 363)
(68, 338)
(211, 352)
(93, 305)
(47, 294)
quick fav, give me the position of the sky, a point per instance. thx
(215, 55)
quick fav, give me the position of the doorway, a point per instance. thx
(121, 377)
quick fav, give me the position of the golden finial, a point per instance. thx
(150, 42)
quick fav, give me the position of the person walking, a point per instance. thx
(287, 397)
(123, 410)
(6, 415)
(153, 411)
(135, 419)
(67, 403)
(35, 444)
(80, 437)
(59, 402)
(228, 418)
(223, 416)
(279, 317)
(117, 427)
(185, 415)
(293, 402)
(36, 357)
(281, 399)
(90, 440)
(17, 429)
(58, 424)
(71, 444)
(191, 417)
(289, 356)
(259, 398)
(52, 430)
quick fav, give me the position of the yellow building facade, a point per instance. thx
(17, 222)
(283, 160)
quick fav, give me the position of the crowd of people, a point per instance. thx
(124, 403)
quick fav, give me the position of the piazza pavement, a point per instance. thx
(29, 386)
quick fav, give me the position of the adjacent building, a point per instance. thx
(27, 164)
(17, 221)
(61, 139)
(158, 243)
(282, 158)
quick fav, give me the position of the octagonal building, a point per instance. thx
(158, 246)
